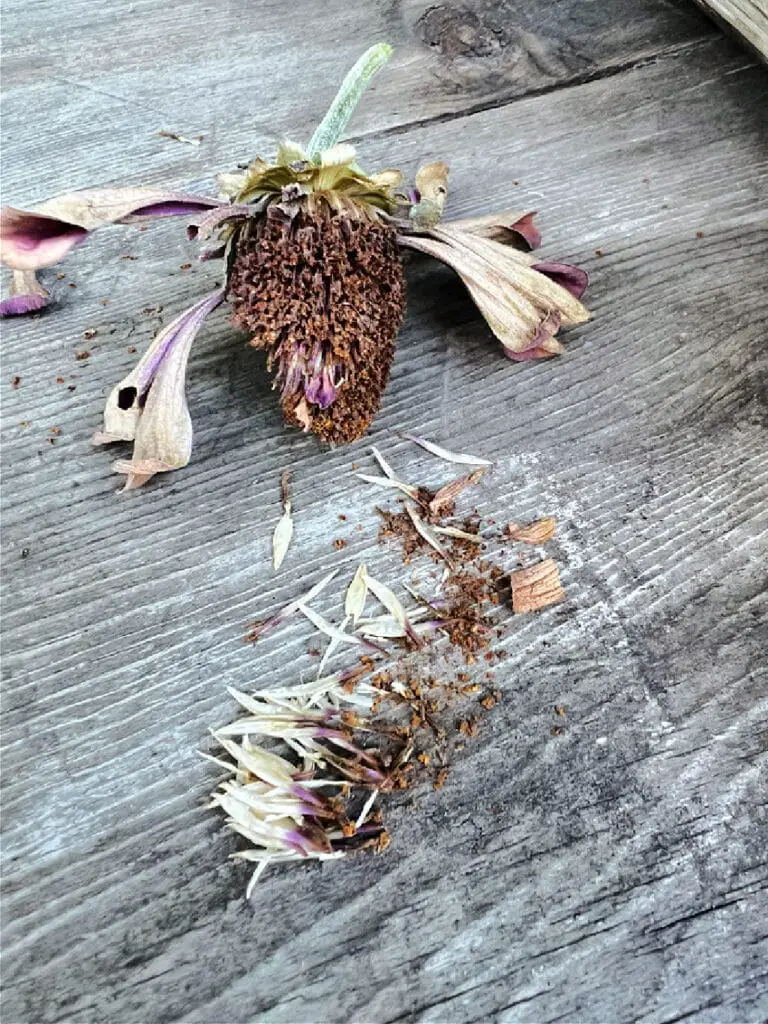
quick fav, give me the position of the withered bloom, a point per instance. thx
(312, 250)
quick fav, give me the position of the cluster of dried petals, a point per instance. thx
(311, 245)
(283, 808)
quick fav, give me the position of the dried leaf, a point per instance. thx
(426, 532)
(385, 481)
(357, 591)
(442, 453)
(447, 494)
(536, 587)
(533, 533)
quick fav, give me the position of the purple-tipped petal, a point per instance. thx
(30, 239)
(527, 230)
(17, 305)
(544, 343)
(573, 279)
(150, 406)
(205, 225)
(27, 295)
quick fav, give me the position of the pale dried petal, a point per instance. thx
(124, 405)
(333, 645)
(387, 469)
(385, 481)
(523, 307)
(391, 602)
(384, 627)
(443, 453)
(533, 533)
(453, 531)
(204, 226)
(426, 532)
(282, 536)
(30, 239)
(258, 628)
(175, 137)
(357, 591)
(366, 808)
(327, 627)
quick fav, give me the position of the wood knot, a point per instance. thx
(460, 32)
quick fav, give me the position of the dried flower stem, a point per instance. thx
(328, 132)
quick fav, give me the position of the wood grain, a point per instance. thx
(747, 18)
(615, 872)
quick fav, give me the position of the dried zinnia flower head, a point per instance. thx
(312, 249)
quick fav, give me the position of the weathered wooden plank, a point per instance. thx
(613, 873)
(747, 18)
(256, 73)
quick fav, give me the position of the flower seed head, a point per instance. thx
(320, 288)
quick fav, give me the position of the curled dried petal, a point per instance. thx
(30, 239)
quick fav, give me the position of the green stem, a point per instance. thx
(328, 132)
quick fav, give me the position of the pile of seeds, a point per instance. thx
(309, 761)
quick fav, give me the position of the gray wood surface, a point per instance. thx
(613, 873)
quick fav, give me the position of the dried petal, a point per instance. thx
(331, 648)
(443, 453)
(281, 537)
(393, 606)
(27, 294)
(523, 307)
(430, 194)
(388, 471)
(426, 532)
(533, 533)
(30, 239)
(327, 627)
(573, 279)
(383, 481)
(260, 627)
(357, 591)
(150, 403)
(204, 226)
(175, 137)
(536, 587)
(453, 531)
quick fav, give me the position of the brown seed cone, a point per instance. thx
(322, 290)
